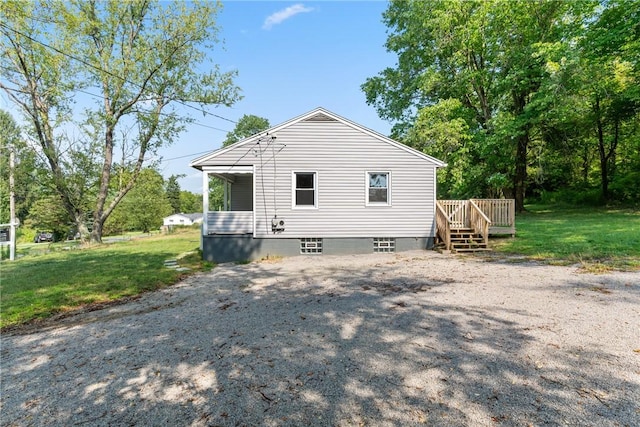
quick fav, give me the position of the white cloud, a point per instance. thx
(284, 14)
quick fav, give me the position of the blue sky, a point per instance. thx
(291, 58)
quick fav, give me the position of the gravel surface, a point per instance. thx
(384, 340)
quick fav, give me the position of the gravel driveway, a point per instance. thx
(384, 340)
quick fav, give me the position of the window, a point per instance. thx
(305, 189)
(378, 188)
(310, 245)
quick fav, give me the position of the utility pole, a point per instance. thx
(12, 204)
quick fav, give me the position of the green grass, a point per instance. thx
(54, 278)
(599, 239)
(64, 277)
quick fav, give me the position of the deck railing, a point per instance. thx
(501, 212)
(478, 221)
(483, 216)
(455, 212)
(443, 225)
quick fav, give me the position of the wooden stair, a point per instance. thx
(465, 225)
(466, 240)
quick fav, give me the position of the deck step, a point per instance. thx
(467, 241)
(470, 250)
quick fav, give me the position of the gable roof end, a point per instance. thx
(317, 115)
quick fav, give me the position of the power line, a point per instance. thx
(149, 112)
(88, 64)
(139, 111)
(186, 155)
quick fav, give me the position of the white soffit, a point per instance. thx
(228, 169)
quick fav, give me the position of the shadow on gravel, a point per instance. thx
(349, 348)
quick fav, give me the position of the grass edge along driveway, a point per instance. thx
(37, 287)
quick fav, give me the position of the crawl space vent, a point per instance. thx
(310, 245)
(384, 244)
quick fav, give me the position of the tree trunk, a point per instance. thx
(98, 214)
(82, 227)
(522, 145)
(604, 167)
(520, 177)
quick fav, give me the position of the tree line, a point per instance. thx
(39, 208)
(520, 98)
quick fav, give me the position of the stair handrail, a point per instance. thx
(443, 224)
(479, 221)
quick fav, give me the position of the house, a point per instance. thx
(183, 219)
(318, 184)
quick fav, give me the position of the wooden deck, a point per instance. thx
(465, 225)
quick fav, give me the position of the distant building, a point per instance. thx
(182, 219)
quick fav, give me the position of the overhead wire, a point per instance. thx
(161, 113)
(275, 174)
(264, 204)
(102, 70)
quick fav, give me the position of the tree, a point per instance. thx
(138, 59)
(47, 214)
(173, 193)
(144, 207)
(9, 140)
(27, 176)
(611, 59)
(488, 56)
(592, 126)
(247, 126)
(190, 202)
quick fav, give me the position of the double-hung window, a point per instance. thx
(378, 188)
(305, 190)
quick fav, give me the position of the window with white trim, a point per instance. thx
(305, 190)
(378, 188)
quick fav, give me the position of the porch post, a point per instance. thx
(205, 207)
(225, 205)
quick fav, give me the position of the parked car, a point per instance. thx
(43, 236)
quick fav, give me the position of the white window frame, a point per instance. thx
(366, 188)
(293, 189)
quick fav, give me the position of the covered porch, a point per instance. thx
(235, 214)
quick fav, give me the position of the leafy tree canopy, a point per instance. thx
(139, 60)
(515, 95)
(247, 126)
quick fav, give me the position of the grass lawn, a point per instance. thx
(598, 238)
(59, 277)
(42, 283)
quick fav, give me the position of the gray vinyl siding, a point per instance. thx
(341, 156)
(242, 193)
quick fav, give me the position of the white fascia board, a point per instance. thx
(228, 169)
